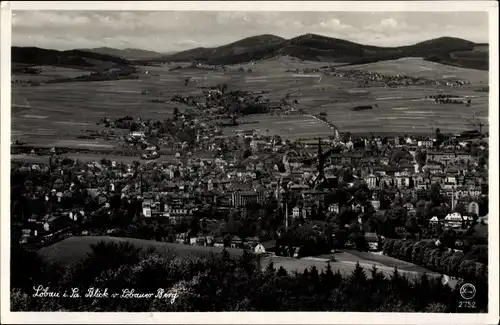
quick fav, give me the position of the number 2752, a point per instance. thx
(467, 304)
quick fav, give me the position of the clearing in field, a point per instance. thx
(287, 126)
(417, 67)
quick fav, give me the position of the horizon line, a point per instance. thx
(240, 39)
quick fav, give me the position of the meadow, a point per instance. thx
(73, 249)
(49, 113)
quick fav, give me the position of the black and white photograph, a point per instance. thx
(251, 160)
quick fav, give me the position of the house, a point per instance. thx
(177, 213)
(371, 181)
(434, 220)
(259, 249)
(146, 208)
(473, 208)
(251, 242)
(56, 223)
(408, 206)
(181, 238)
(372, 241)
(137, 135)
(219, 242)
(296, 212)
(236, 242)
(455, 220)
(433, 167)
(333, 208)
(402, 179)
(242, 198)
(375, 204)
(425, 143)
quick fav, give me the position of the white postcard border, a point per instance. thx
(246, 317)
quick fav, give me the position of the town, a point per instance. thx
(255, 192)
(298, 172)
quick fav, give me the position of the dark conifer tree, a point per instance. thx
(282, 272)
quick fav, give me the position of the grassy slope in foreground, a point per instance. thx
(73, 249)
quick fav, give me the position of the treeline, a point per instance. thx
(118, 74)
(76, 58)
(469, 266)
(480, 63)
(221, 283)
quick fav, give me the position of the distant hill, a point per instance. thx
(129, 54)
(71, 59)
(245, 50)
(447, 50)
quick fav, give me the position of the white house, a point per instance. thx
(137, 134)
(259, 249)
(296, 212)
(425, 143)
(375, 204)
(334, 208)
(473, 208)
(453, 220)
(371, 181)
(434, 220)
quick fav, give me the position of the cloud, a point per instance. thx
(335, 24)
(181, 30)
(390, 26)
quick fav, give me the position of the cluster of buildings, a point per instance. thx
(275, 170)
(392, 81)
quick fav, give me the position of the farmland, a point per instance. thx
(48, 113)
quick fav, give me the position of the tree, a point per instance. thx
(439, 137)
(412, 226)
(281, 272)
(421, 157)
(314, 277)
(134, 127)
(460, 208)
(270, 270)
(346, 137)
(435, 194)
(358, 277)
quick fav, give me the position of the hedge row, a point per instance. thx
(438, 259)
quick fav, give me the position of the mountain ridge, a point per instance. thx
(312, 47)
(127, 53)
(69, 58)
(316, 47)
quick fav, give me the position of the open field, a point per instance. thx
(417, 67)
(59, 111)
(287, 126)
(344, 267)
(73, 249)
(282, 63)
(345, 263)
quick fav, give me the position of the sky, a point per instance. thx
(170, 31)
